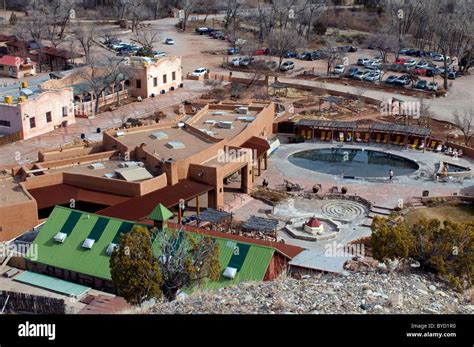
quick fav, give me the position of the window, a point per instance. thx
(165, 79)
(5, 123)
(139, 84)
(64, 111)
(32, 123)
(173, 75)
(155, 82)
(2, 67)
(48, 117)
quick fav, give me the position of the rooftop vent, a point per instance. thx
(120, 134)
(127, 164)
(111, 248)
(230, 272)
(60, 237)
(26, 92)
(210, 121)
(96, 166)
(181, 125)
(225, 124)
(242, 110)
(175, 145)
(110, 175)
(159, 135)
(218, 113)
(88, 243)
(246, 119)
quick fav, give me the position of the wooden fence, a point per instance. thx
(27, 303)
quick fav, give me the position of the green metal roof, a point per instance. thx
(160, 213)
(251, 260)
(51, 283)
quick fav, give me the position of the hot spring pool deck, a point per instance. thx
(379, 192)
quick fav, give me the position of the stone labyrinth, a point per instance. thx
(344, 210)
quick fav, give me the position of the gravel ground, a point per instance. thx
(351, 293)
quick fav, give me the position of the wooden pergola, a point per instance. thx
(408, 131)
(331, 126)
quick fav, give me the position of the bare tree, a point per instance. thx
(465, 121)
(282, 41)
(85, 34)
(101, 74)
(333, 56)
(147, 38)
(188, 7)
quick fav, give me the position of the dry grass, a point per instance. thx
(456, 213)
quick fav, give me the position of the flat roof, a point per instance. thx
(14, 89)
(193, 144)
(52, 283)
(204, 122)
(168, 196)
(59, 194)
(11, 192)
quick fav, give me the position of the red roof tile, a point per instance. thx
(313, 223)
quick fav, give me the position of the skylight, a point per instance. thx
(88, 243)
(175, 145)
(230, 272)
(60, 237)
(111, 248)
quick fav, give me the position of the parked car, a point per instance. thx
(259, 51)
(362, 61)
(391, 79)
(404, 51)
(203, 30)
(199, 72)
(452, 75)
(246, 61)
(271, 65)
(361, 75)
(373, 76)
(440, 57)
(287, 66)
(421, 84)
(351, 72)
(372, 65)
(232, 51)
(169, 41)
(159, 54)
(400, 61)
(403, 80)
(433, 86)
(339, 69)
(236, 61)
(422, 64)
(410, 63)
(290, 54)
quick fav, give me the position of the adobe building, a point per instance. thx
(150, 77)
(28, 110)
(188, 157)
(16, 67)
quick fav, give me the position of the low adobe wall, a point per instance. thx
(65, 153)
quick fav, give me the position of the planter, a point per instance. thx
(344, 190)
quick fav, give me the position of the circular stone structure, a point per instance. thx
(353, 162)
(345, 210)
(314, 226)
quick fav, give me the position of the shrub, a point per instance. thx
(443, 248)
(344, 190)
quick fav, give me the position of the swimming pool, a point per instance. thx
(352, 162)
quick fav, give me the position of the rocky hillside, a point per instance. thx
(352, 292)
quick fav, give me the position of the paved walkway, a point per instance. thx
(27, 151)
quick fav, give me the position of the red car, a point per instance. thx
(259, 51)
(421, 72)
(400, 61)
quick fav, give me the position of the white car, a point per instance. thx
(433, 86)
(287, 65)
(339, 69)
(373, 76)
(159, 54)
(361, 75)
(236, 61)
(199, 72)
(169, 41)
(410, 63)
(440, 57)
